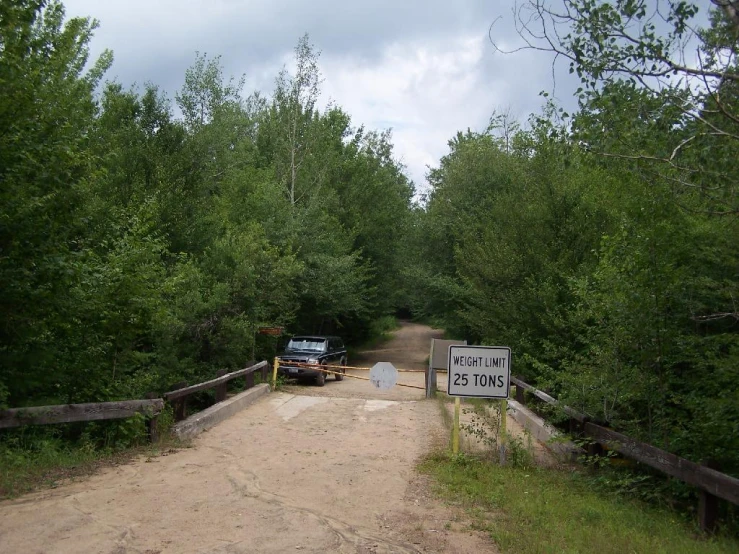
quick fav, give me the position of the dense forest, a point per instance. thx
(603, 246)
(144, 240)
(140, 248)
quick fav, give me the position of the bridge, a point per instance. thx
(303, 469)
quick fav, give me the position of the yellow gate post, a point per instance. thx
(274, 373)
(455, 429)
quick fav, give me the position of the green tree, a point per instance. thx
(642, 46)
(294, 136)
(46, 114)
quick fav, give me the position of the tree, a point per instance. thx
(647, 47)
(373, 202)
(204, 94)
(46, 114)
(139, 248)
(293, 110)
(612, 295)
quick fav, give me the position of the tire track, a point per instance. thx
(247, 484)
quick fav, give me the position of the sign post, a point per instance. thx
(455, 429)
(479, 372)
(503, 431)
(438, 360)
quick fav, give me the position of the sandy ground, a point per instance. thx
(306, 469)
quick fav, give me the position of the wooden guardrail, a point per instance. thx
(711, 484)
(181, 391)
(541, 395)
(96, 411)
(70, 413)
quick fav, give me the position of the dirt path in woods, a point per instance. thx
(304, 469)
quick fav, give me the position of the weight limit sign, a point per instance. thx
(479, 371)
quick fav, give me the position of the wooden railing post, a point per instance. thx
(221, 390)
(576, 428)
(707, 511)
(152, 429)
(179, 405)
(152, 423)
(520, 398)
(708, 505)
(249, 377)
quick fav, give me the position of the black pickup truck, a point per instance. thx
(312, 349)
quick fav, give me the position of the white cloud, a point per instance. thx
(423, 67)
(425, 91)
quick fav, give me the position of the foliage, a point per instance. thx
(540, 510)
(602, 246)
(140, 249)
(46, 114)
(685, 75)
(484, 424)
(382, 327)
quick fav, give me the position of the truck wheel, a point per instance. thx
(321, 377)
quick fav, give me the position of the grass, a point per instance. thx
(539, 510)
(22, 472)
(40, 459)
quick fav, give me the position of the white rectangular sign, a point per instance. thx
(479, 371)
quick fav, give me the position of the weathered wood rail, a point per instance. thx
(97, 411)
(711, 484)
(93, 411)
(70, 413)
(541, 395)
(181, 391)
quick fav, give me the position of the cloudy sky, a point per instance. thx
(424, 68)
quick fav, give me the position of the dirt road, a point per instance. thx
(306, 469)
(408, 349)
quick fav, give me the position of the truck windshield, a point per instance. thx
(311, 345)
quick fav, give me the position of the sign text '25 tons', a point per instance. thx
(479, 371)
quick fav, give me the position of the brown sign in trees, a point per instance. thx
(274, 331)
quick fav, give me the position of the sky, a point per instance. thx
(425, 68)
